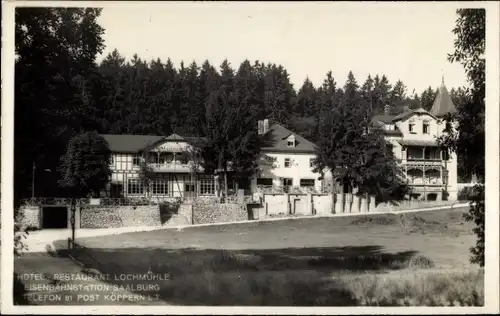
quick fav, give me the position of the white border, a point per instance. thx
(492, 176)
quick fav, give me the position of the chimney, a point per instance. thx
(387, 109)
(260, 127)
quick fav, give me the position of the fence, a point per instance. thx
(275, 204)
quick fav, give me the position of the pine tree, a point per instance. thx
(306, 100)
(427, 98)
(381, 93)
(354, 152)
(397, 97)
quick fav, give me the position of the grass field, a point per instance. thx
(405, 259)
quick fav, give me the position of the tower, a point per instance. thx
(442, 106)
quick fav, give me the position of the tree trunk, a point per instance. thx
(225, 183)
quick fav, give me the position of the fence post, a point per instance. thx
(339, 203)
(348, 203)
(310, 204)
(364, 203)
(287, 204)
(372, 205)
(355, 204)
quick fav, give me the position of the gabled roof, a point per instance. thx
(129, 143)
(405, 115)
(275, 140)
(174, 137)
(443, 104)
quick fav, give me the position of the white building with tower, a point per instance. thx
(413, 136)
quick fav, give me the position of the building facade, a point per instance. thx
(284, 165)
(413, 136)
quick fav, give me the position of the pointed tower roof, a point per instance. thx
(443, 103)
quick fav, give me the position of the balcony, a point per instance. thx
(422, 161)
(173, 167)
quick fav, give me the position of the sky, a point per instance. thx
(404, 41)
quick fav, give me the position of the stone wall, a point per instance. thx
(208, 211)
(119, 216)
(176, 214)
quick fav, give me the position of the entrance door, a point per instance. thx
(189, 189)
(54, 217)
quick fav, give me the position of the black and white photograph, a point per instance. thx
(250, 154)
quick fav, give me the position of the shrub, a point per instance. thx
(20, 233)
(466, 194)
(476, 215)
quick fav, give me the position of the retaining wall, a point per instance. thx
(206, 211)
(120, 216)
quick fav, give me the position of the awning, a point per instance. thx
(418, 142)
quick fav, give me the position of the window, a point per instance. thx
(135, 186)
(287, 163)
(121, 162)
(265, 181)
(287, 183)
(311, 162)
(136, 160)
(207, 185)
(159, 187)
(291, 141)
(307, 182)
(411, 126)
(425, 129)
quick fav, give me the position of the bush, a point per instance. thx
(467, 194)
(476, 215)
(20, 234)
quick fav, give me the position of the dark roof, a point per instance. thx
(418, 142)
(380, 120)
(275, 140)
(129, 143)
(443, 104)
(386, 119)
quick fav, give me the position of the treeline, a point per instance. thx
(61, 90)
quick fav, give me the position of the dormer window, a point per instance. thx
(291, 141)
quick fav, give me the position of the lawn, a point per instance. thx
(401, 259)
